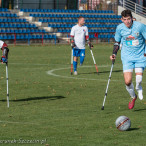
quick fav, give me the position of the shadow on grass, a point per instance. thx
(140, 110)
(37, 98)
(100, 72)
(131, 129)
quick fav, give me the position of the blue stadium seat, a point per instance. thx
(31, 15)
(26, 37)
(45, 36)
(6, 25)
(27, 30)
(23, 30)
(11, 30)
(9, 20)
(5, 37)
(9, 37)
(18, 25)
(2, 30)
(3, 10)
(33, 36)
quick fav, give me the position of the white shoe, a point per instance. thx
(81, 64)
(75, 73)
(140, 94)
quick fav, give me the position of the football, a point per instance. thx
(123, 123)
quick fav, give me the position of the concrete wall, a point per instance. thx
(35, 4)
(138, 17)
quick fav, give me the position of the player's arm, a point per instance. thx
(143, 31)
(116, 44)
(87, 38)
(72, 34)
(145, 51)
(88, 41)
(115, 50)
(5, 51)
(72, 41)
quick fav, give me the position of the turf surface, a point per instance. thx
(50, 107)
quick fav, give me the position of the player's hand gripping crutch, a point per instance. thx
(71, 60)
(4, 59)
(93, 58)
(7, 84)
(113, 61)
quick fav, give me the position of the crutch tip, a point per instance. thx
(102, 108)
(71, 73)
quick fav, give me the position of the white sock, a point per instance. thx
(130, 90)
(138, 82)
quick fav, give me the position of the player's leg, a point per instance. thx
(82, 56)
(138, 85)
(128, 70)
(75, 64)
(139, 67)
(75, 61)
(128, 82)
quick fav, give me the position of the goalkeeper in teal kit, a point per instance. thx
(133, 53)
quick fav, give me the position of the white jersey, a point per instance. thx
(79, 34)
(1, 44)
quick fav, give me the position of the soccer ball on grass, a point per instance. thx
(123, 123)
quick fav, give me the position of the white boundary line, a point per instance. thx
(37, 64)
(18, 122)
(50, 72)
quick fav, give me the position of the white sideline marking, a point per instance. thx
(18, 122)
(37, 64)
(50, 72)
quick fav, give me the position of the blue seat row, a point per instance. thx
(102, 25)
(75, 20)
(3, 10)
(7, 15)
(103, 21)
(102, 36)
(88, 25)
(60, 25)
(13, 25)
(22, 31)
(23, 37)
(59, 20)
(12, 20)
(90, 30)
(66, 11)
(74, 16)
(101, 30)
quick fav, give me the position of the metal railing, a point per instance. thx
(134, 7)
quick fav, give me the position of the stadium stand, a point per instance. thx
(53, 24)
(12, 27)
(60, 22)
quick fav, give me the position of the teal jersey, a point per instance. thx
(133, 41)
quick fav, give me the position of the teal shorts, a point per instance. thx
(133, 64)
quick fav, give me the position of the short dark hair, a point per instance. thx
(126, 13)
(80, 18)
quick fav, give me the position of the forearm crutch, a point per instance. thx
(7, 84)
(108, 85)
(71, 60)
(93, 59)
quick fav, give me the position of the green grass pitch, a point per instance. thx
(50, 107)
